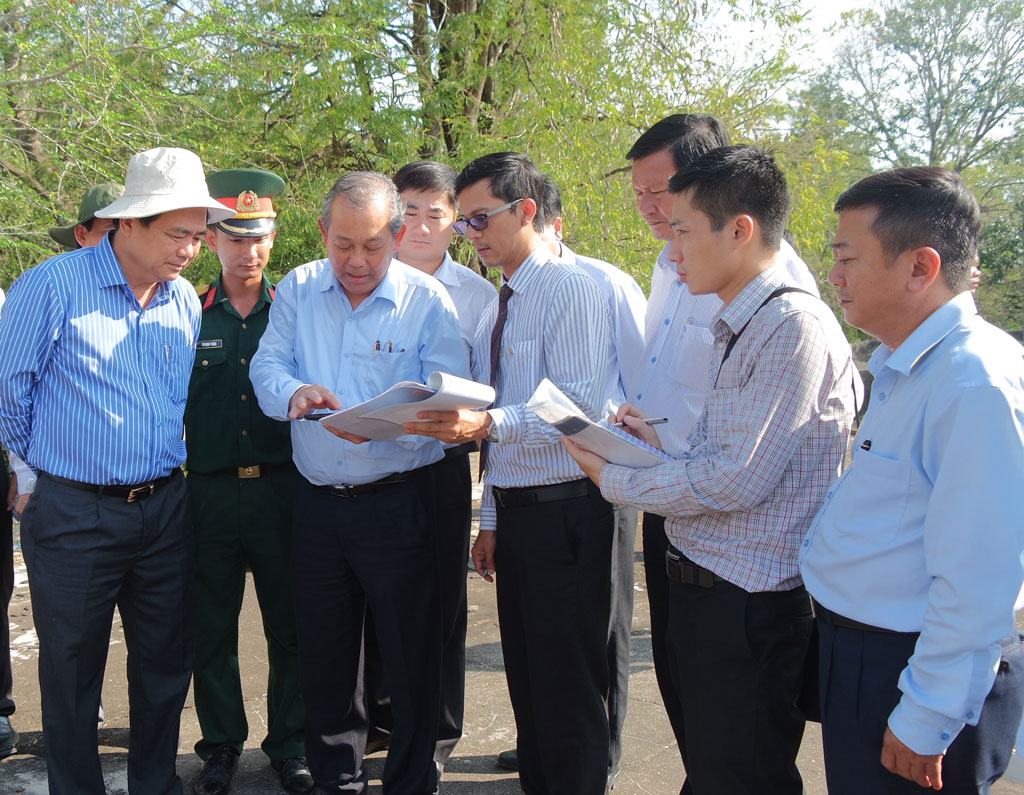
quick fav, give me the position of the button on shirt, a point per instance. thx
(626, 306)
(557, 328)
(924, 531)
(670, 378)
(93, 386)
(224, 427)
(315, 337)
(769, 443)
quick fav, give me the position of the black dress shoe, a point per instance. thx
(509, 760)
(215, 777)
(8, 737)
(295, 775)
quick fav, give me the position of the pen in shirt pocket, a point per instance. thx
(167, 353)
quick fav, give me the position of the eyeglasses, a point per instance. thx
(479, 222)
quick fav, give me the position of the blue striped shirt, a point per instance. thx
(93, 386)
(315, 337)
(558, 327)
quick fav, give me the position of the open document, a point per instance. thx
(613, 444)
(381, 418)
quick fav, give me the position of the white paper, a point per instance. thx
(614, 445)
(380, 418)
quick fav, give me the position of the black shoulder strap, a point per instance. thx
(732, 340)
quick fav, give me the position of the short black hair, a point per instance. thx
(513, 176)
(551, 206)
(737, 180)
(918, 207)
(427, 175)
(687, 135)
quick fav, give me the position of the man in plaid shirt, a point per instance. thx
(769, 443)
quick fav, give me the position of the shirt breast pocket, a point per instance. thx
(520, 367)
(211, 378)
(871, 499)
(174, 363)
(695, 350)
(381, 370)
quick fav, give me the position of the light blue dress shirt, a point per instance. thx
(924, 532)
(671, 376)
(471, 293)
(557, 328)
(93, 386)
(315, 337)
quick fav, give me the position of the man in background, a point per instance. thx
(88, 230)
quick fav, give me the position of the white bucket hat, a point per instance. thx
(162, 180)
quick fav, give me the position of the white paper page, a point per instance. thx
(446, 392)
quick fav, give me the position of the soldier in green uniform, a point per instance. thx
(88, 230)
(242, 484)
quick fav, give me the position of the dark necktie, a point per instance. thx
(496, 334)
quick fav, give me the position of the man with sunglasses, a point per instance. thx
(555, 530)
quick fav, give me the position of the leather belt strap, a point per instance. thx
(531, 495)
(461, 449)
(680, 568)
(348, 492)
(253, 471)
(127, 493)
(822, 613)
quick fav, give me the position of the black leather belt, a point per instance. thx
(127, 493)
(363, 489)
(460, 449)
(531, 495)
(680, 568)
(253, 471)
(823, 613)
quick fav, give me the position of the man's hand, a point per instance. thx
(451, 427)
(483, 554)
(310, 398)
(925, 771)
(632, 419)
(590, 463)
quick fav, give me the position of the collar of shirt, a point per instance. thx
(220, 296)
(733, 317)
(387, 289)
(528, 272)
(109, 272)
(930, 333)
(663, 261)
(447, 273)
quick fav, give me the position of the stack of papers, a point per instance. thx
(614, 445)
(381, 418)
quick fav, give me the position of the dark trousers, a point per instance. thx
(351, 555)
(245, 523)
(84, 554)
(655, 543)
(859, 674)
(453, 498)
(620, 627)
(738, 660)
(554, 561)
(6, 589)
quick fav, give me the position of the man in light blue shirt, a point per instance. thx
(98, 348)
(343, 330)
(916, 560)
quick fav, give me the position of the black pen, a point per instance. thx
(648, 421)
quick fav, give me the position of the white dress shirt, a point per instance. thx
(557, 328)
(670, 378)
(471, 293)
(924, 532)
(627, 305)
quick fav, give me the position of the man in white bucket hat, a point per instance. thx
(99, 345)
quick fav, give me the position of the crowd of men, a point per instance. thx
(879, 600)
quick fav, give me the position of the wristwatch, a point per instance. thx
(492, 433)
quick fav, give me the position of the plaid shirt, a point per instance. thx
(770, 441)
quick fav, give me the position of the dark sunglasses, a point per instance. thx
(479, 222)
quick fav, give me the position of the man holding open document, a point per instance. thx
(343, 330)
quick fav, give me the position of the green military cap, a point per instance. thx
(96, 198)
(247, 191)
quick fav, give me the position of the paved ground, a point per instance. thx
(650, 763)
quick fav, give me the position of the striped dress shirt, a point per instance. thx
(670, 376)
(558, 328)
(93, 386)
(769, 442)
